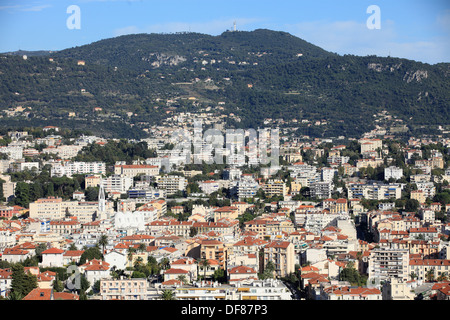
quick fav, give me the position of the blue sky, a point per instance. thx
(413, 29)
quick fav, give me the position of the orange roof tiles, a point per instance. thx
(53, 251)
(176, 271)
(73, 253)
(241, 269)
(49, 294)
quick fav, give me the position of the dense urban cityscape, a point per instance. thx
(362, 220)
(229, 159)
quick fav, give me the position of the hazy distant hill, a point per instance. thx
(259, 75)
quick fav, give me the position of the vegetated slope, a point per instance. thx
(149, 51)
(259, 75)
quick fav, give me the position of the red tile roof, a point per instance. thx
(429, 262)
(73, 253)
(49, 294)
(176, 271)
(241, 269)
(53, 251)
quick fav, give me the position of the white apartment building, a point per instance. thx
(29, 166)
(374, 191)
(393, 172)
(428, 189)
(146, 193)
(14, 153)
(321, 190)
(307, 180)
(124, 289)
(133, 170)
(154, 161)
(315, 221)
(328, 174)
(232, 174)
(50, 140)
(338, 159)
(302, 169)
(369, 145)
(269, 289)
(117, 183)
(70, 168)
(7, 238)
(64, 151)
(209, 186)
(247, 188)
(172, 183)
(427, 215)
(386, 263)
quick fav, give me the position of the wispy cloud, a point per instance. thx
(36, 8)
(351, 37)
(26, 8)
(9, 7)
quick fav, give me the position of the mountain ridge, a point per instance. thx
(260, 75)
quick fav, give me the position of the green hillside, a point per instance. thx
(259, 75)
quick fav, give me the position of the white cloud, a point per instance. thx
(351, 37)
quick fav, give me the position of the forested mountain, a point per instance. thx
(142, 52)
(255, 75)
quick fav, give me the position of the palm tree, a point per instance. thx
(153, 265)
(443, 277)
(117, 273)
(164, 264)
(142, 247)
(204, 265)
(413, 275)
(138, 262)
(168, 295)
(131, 252)
(430, 275)
(103, 241)
(182, 278)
